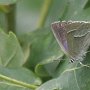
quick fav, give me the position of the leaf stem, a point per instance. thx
(18, 82)
(44, 13)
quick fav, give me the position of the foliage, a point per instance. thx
(29, 52)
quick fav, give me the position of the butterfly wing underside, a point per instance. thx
(73, 37)
(60, 34)
(78, 38)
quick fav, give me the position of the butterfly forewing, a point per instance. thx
(60, 33)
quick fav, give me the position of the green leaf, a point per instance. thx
(87, 4)
(17, 78)
(43, 50)
(66, 10)
(26, 50)
(7, 5)
(28, 12)
(59, 8)
(48, 66)
(11, 54)
(76, 76)
(74, 8)
(82, 15)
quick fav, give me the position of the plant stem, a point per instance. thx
(18, 82)
(10, 18)
(44, 13)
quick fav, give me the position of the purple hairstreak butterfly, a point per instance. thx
(73, 38)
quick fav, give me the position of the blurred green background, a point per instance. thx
(29, 12)
(30, 20)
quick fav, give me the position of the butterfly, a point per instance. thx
(73, 38)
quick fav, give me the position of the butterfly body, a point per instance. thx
(73, 37)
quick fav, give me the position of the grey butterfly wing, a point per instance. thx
(78, 37)
(60, 33)
(74, 37)
(64, 33)
(84, 32)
